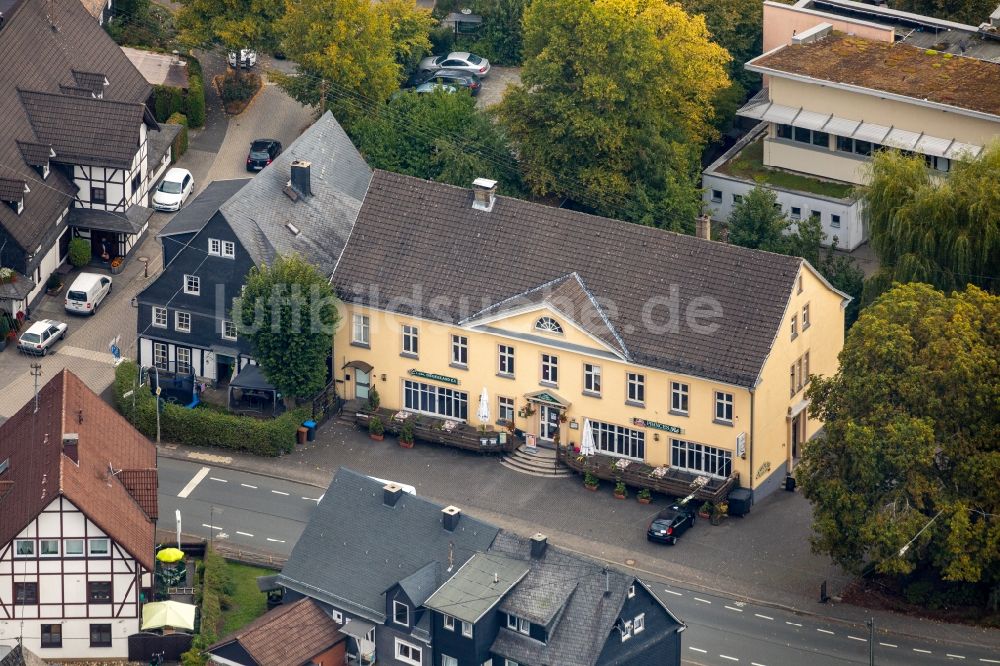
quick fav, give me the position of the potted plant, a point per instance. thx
(117, 264)
(8, 275)
(376, 429)
(406, 435)
(644, 496)
(374, 400)
(620, 491)
(53, 285)
(719, 512)
(705, 510)
(590, 482)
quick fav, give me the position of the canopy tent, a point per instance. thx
(170, 555)
(250, 391)
(173, 614)
(483, 413)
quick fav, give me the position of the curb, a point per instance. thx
(175, 455)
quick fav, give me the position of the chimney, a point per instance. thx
(450, 517)
(70, 446)
(703, 227)
(538, 544)
(301, 177)
(484, 194)
(391, 492)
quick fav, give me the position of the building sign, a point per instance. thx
(643, 423)
(546, 397)
(432, 376)
(741, 445)
(530, 442)
(763, 469)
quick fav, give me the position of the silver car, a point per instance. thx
(41, 336)
(461, 60)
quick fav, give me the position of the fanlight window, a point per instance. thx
(548, 325)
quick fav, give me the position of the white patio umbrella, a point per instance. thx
(483, 414)
(587, 439)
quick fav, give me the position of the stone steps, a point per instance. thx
(540, 463)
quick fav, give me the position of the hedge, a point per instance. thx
(79, 252)
(213, 597)
(196, 100)
(167, 100)
(180, 144)
(205, 427)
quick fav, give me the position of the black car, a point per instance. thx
(454, 77)
(262, 153)
(670, 523)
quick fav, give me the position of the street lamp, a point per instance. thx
(906, 546)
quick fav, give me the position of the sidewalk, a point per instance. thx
(763, 558)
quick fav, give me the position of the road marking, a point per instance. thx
(921, 651)
(697, 649)
(763, 617)
(244, 533)
(275, 540)
(676, 594)
(247, 485)
(754, 663)
(208, 457)
(988, 661)
(193, 483)
(738, 610)
(704, 601)
(278, 492)
(211, 527)
(855, 638)
(955, 656)
(215, 478)
(311, 499)
(825, 631)
(794, 624)
(888, 645)
(725, 656)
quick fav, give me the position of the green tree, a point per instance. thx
(615, 106)
(757, 222)
(501, 38)
(971, 12)
(289, 313)
(926, 228)
(437, 136)
(235, 24)
(911, 430)
(409, 27)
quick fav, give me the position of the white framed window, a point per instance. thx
(626, 630)
(636, 388)
(679, 397)
(160, 355)
(436, 400)
(550, 369)
(505, 360)
(411, 342)
(631, 590)
(183, 360)
(805, 316)
(518, 624)
(159, 317)
(796, 213)
(795, 326)
(716, 196)
(337, 616)
(48, 547)
(737, 198)
(592, 378)
(467, 629)
(407, 653)
(701, 458)
(510, 662)
(24, 548)
(723, 407)
(834, 221)
(229, 330)
(360, 329)
(99, 546)
(506, 411)
(459, 350)
(639, 624)
(229, 249)
(400, 613)
(448, 661)
(74, 547)
(548, 325)
(214, 247)
(192, 285)
(618, 440)
(448, 622)
(182, 321)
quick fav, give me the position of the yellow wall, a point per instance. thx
(813, 159)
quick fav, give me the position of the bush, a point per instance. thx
(590, 480)
(180, 145)
(54, 281)
(917, 593)
(442, 40)
(195, 99)
(213, 596)
(167, 101)
(406, 433)
(240, 89)
(79, 252)
(375, 426)
(374, 399)
(204, 427)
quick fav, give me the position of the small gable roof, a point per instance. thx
(478, 586)
(193, 217)
(421, 584)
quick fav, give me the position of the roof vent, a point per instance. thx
(391, 492)
(450, 517)
(484, 194)
(813, 34)
(539, 543)
(70, 446)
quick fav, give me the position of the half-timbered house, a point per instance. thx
(77, 520)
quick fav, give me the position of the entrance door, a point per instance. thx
(548, 423)
(223, 369)
(796, 438)
(362, 383)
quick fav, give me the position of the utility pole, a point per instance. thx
(870, 623)
(36, 372)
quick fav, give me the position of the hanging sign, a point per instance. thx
(432, 376)
(530, 442)
(643, 423)
(741, 445)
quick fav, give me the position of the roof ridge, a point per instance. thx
(105, 100)
(62, 428)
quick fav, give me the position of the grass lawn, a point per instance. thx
(749, 165)
(248, 603)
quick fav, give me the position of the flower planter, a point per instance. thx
(702, 514)
(406, 445)
(621, 497)
(377, 438)
(643, 500)
(592, 489)
(54, 291)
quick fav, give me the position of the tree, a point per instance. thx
(971, 12)
(501, 38)
(615, 105)
(289, 312)
(437, 136)
(235, 24)
(911, 430)
(926, 228)
(409, 27)
(757, 222)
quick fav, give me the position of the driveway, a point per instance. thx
(495, 84)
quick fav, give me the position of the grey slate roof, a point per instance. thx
(339, 180)
(157, 143)
(21, 656)
(355, 548)
(131, 222)
(193, 217)
(421, 583)
(478, 586)
(37, 58)
(413, 233)
(15, 291)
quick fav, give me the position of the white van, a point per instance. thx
(87, 292)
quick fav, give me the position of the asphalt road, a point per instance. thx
(268, 515)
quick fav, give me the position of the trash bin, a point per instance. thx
(790, 483)
(311, 425)
(303, 433)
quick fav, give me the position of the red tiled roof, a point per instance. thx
(141, 484)
(288, 635)
(108, 444)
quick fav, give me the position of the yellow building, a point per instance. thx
(679, 351)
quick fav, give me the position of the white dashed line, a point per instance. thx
(311, 499)
(193, 483)
(825, 631)
(794, 624)
(247, 485)
(211, 527)
(855, 638)
(725, 656)
(215, 478)
(955, 656)
(275, 540)
(988, 661)
(676, 594)
(697, 649)
(244, 533)
(738, 610)
(704, 601)
(278, 492)
(754, 663)
(888, 645)
(921, 651)
(763, 617)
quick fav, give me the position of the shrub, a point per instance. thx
(406, 432)
(213, 597)
(620, 489)
(195, 100)
(442, 40)
(79, 252)
(180, 144)
(917, 593)
(167, 101)
(240, 89)
(590, 480)
(375, 426)
(374, 399)
(644, 494)
(54, 281)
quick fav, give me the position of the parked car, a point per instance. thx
(41, 336)
(460, 60)
(426, 88)
(670, 523)
(87, 292)
(248, 58)
(453, 77)
(262, 152)
(173, 190)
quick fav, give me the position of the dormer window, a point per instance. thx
(400, 613)
(626, 630)
(13, 191)
(518, 624)
(548, 325)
